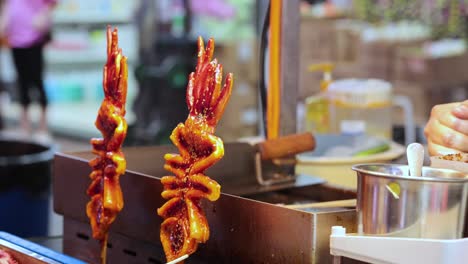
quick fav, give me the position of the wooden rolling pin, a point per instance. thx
(286, 146)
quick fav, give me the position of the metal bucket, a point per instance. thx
(391, 203)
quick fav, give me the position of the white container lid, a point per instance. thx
(360, 92)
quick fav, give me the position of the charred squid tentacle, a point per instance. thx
(105, 192)
(185, 224)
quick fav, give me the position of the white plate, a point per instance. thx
(396, 150)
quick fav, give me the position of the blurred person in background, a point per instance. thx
(447, 129)
(26, 24)
(167, 45)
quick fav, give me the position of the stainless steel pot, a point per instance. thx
(391, 203)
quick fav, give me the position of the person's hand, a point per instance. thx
(447, 129)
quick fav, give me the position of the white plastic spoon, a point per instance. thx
(415, 156)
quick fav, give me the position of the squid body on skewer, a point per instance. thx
(185, 224)
(105, 192)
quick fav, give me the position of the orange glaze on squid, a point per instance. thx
(106, 196)
(185, 224)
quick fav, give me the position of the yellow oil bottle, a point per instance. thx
(316, 106)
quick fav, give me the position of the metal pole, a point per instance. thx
(290, 23)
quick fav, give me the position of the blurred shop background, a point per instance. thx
(159, 39)
(419, 47)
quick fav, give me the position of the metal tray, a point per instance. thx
(27, 252)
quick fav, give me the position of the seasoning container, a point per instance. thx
(364, 106)
(392, 203)
(316, 118)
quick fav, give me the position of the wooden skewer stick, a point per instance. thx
(178, 259)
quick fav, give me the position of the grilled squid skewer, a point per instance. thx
(185, 224)
(106, 196)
